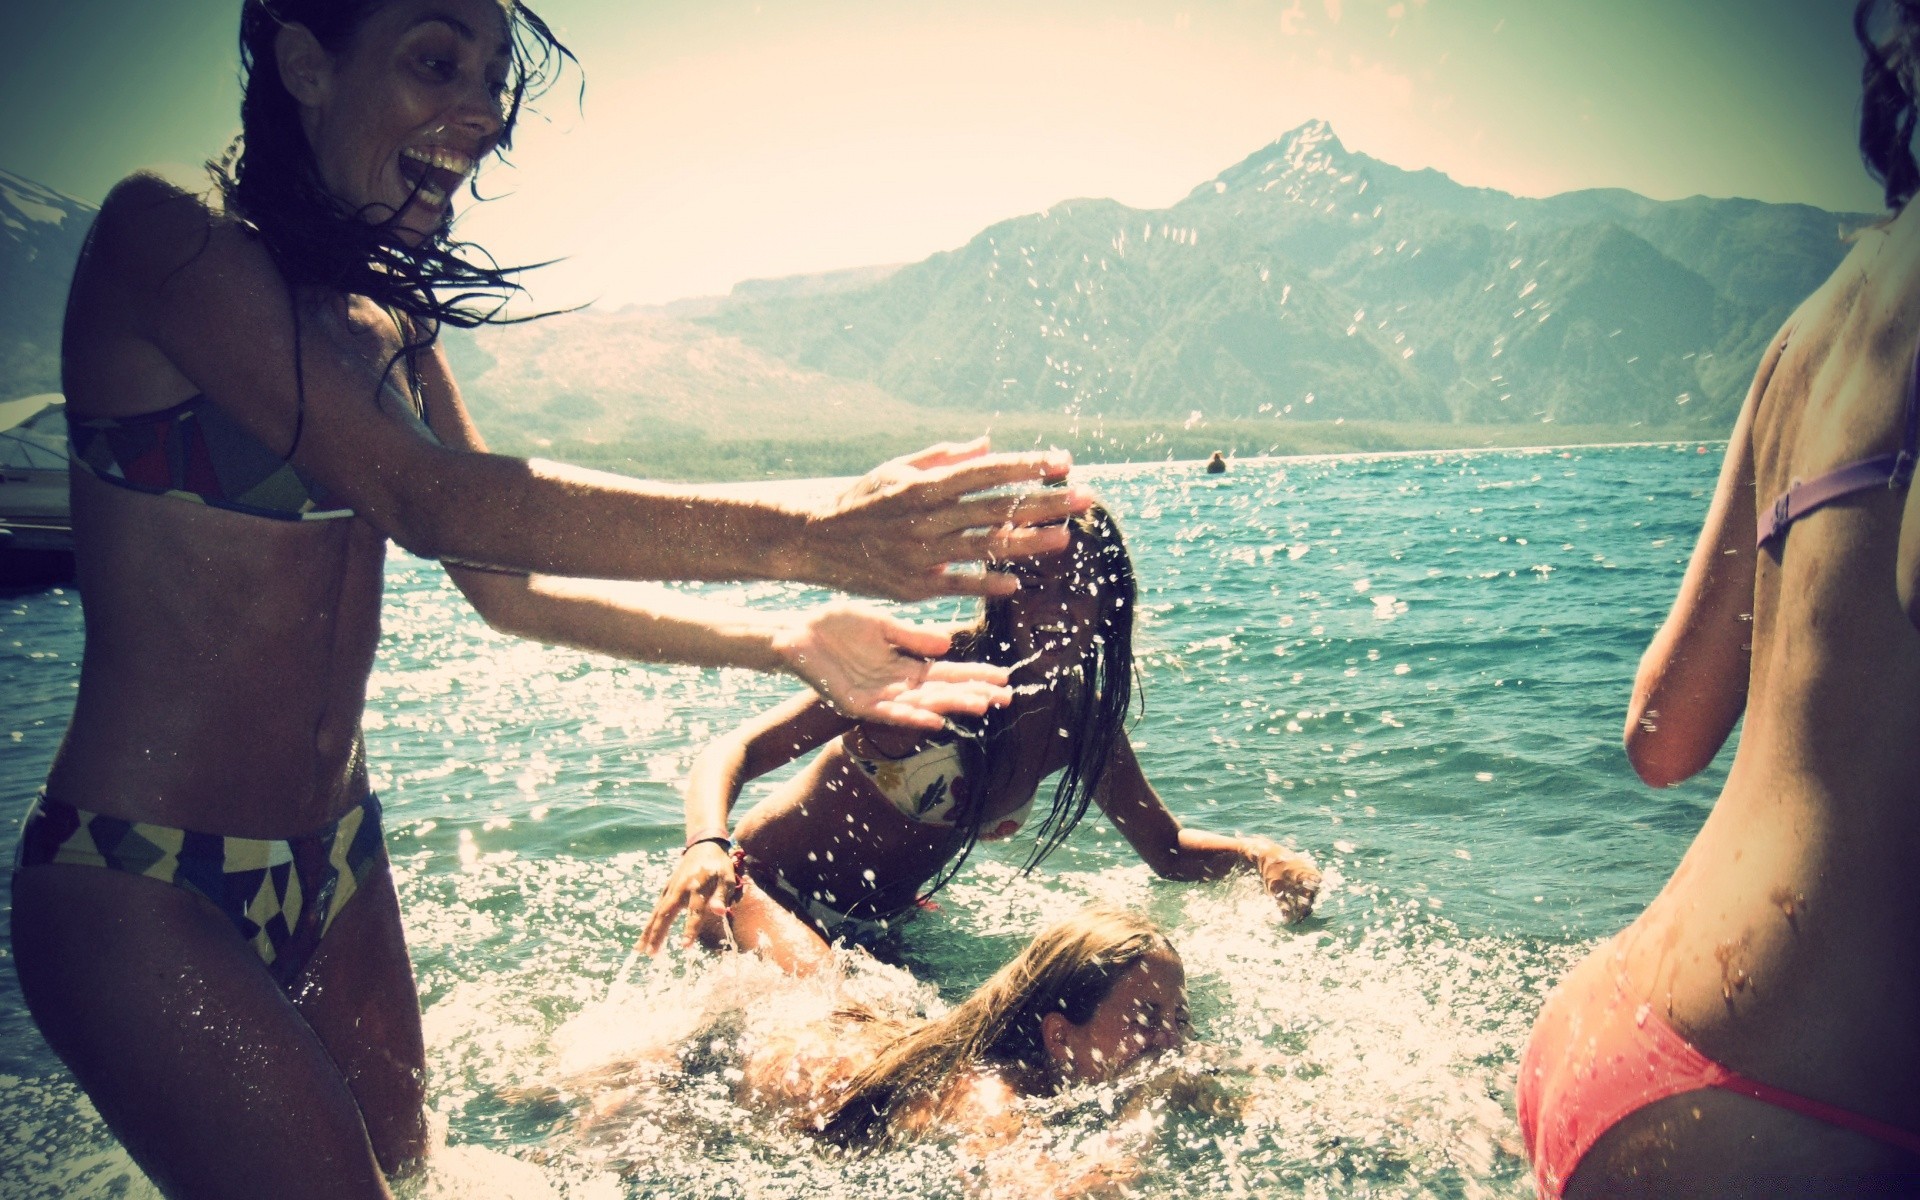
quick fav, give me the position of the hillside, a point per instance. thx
(1298, 296)
(1310, 281)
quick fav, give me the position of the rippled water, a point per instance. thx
(1415, 667)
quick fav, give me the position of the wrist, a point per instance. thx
(786, 636)
(1253, 849)
(721, 840)
(791, 552)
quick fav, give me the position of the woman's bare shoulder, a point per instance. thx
(151, 226)
(978, 1101)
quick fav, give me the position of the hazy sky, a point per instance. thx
(728, 139)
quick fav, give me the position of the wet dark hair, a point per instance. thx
(1887, 103)
(1092, 697)
(269, 179)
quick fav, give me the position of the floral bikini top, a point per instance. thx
(928, 784)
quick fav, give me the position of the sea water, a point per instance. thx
(1414, 666)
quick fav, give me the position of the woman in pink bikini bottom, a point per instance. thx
(1757, 1030)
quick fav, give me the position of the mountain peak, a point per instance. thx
(1314, 136)
(1308, 150)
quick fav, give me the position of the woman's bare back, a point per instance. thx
(1787, 944)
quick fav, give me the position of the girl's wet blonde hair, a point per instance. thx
(1069, 969)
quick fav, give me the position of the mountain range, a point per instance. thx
(1306, 283)
(1311, 281)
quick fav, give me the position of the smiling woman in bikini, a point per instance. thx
(1754, 1032)
(258, 405)
(847, 846)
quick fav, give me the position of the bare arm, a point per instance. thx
(867, 663)
(704, 875)
(1692, 683)
(1177, 852)
(211, 300)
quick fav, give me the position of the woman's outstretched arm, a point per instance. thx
(1692, 683)
(701, 880)
(210, 300)
(1175, 851)
(867, 663)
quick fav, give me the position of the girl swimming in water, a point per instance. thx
(851, 844)
(1093, 1010)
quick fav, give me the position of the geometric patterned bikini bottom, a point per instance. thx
(280, 895)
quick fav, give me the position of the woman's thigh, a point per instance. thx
(194, 1057)
(358, 995)
(1716, 1143)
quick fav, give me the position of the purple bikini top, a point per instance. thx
(1882, 470)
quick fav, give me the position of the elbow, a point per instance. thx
(435, 511)
(1670, 749)
(723, 759)
(1170, 864)
(409, 522)
(1655, 761)
(415, 524)
(509, 603)
(504, 611)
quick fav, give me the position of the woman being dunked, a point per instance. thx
(1756, 1032)
(204, 923)
(883, 817)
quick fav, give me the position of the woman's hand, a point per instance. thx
(875, 667)
(896, 531)
(702, 886)
(1290, 877)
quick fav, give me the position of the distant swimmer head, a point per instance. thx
(1889, 35)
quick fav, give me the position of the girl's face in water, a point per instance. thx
(1056, 612)
(1145, 1014)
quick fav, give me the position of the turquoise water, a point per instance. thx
(1415, 667)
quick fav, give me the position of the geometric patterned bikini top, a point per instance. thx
(194, 451)
(1892, 471)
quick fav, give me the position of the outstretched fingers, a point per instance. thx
(947, 697)
(1044, 507)
(918, 641)
(945, 454)
(967, 672)
(660, 922)
(987, 472)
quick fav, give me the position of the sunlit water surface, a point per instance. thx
(1413, 666)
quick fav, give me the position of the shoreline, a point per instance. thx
(753, 488)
